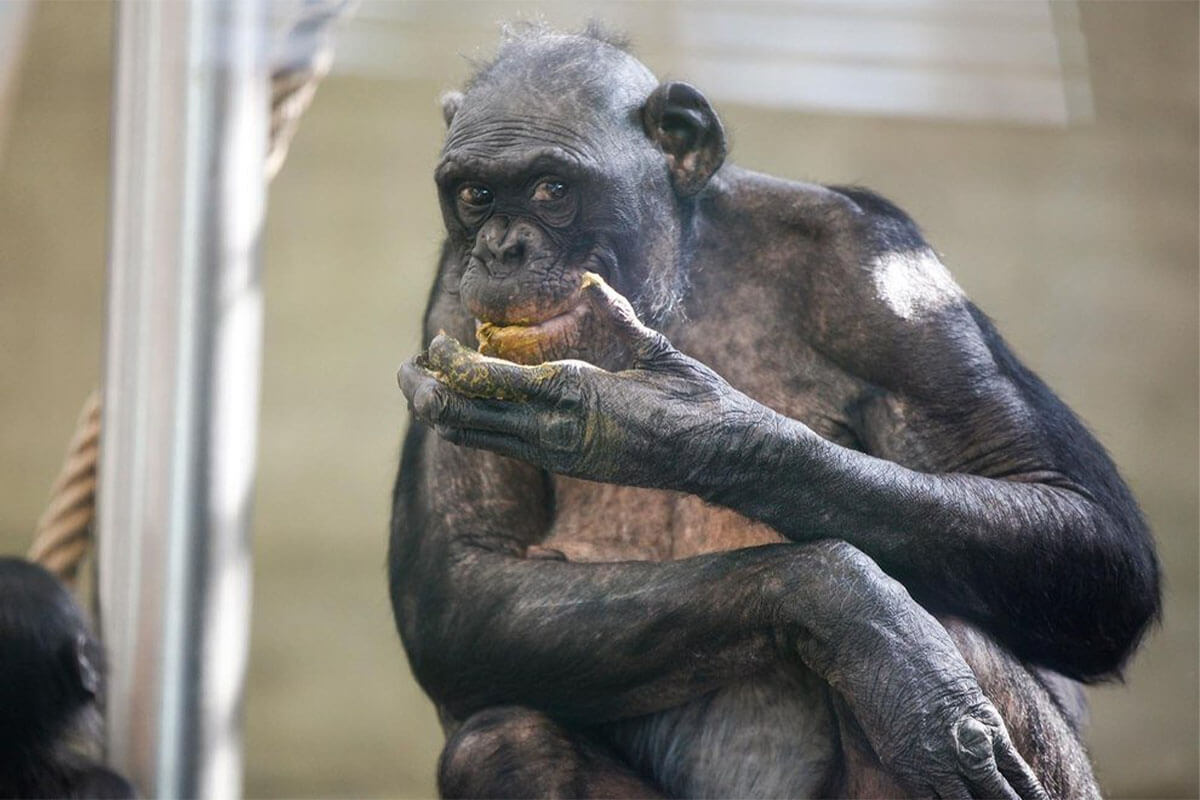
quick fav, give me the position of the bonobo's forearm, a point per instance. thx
(998, 551)
(595, 642)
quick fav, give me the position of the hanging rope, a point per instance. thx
(302, 58)
(63, 536)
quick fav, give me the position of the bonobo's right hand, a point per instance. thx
(915, 698)
(957, 746)
(663, 421)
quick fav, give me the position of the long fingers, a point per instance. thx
(644, 342)
(1020, 776)
(953, 788)
(499, 443)
(531, 413)
(990, 766)
(474, 375)
(990, 786)
(439, 405)
(977, 760)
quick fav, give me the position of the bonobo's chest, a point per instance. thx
(747, 342)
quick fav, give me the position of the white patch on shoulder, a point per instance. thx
(914, 284)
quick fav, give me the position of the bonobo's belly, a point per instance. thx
(769, 735)
(601, 522)
(772, 736)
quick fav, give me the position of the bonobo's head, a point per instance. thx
(50, 664)
(565, 155)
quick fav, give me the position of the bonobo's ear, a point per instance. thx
(450, 103)
(87, 664)
(681, 122)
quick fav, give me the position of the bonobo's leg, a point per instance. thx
(773, 735)
(777, 736)
(510, 751)
(1042, 729)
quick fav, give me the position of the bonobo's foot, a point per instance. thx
(545, 553)
(510, 751)
(598, 328)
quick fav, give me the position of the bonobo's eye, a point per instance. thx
(549, 190)
(475, 195)
(474, 204)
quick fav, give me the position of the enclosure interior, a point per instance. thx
(1071, 218)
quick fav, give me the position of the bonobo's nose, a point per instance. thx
(501, 245)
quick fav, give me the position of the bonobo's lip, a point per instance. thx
(553, 315)
(549, 326)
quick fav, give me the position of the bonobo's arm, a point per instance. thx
(987, 498)
(595, 642)
(1008, 512)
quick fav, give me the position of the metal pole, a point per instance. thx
(181, 385)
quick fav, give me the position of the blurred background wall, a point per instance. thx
(1071, 220)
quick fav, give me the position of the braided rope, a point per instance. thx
(302, 59)
(63, 536)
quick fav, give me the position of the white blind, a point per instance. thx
(1020, 61)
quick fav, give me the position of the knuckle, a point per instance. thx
(659, 344)
(561, 433)
(974, 745)
(567, 374)
(452, 435)
(428, 401)
(439, 352)
(566, 384)
(653, 350)
(410, 376)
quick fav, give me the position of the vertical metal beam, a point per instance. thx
(181, 386)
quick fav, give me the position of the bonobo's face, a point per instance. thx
(533, 208)
(548, 173)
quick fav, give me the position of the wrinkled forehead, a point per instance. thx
(579, 96)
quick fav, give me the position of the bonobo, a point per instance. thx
(743, 496)
(51, 676)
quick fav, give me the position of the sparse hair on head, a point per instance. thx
(522, 34)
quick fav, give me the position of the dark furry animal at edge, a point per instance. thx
(51, 687)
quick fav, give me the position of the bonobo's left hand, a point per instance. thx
(666, 421)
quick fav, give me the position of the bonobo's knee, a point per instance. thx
(508, 751)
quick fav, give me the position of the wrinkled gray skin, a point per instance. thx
(937, 539)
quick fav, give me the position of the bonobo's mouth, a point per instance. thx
(543, 289)
(541, 336)
(546, 337)
(560, 315)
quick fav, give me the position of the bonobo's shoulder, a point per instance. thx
(882, 222)
(843, 241)
(762, 201)
(869, 289)
(879, 253)
(832, 215)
